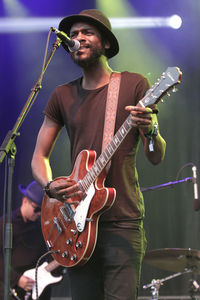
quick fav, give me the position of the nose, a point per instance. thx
(80, 36)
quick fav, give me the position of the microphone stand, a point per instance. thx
(168, 184)
(8, 148)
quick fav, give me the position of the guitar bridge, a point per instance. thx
(69, 210)
(64, 213)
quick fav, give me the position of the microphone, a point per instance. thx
(73, 45)
(196, 194)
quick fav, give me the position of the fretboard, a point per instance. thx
(107, 154)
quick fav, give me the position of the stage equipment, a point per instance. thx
(8, 150)
(180, 260)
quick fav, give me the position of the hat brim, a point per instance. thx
(33, 192)
(66, 24)
(22, 189)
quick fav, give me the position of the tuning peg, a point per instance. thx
(168, 94)
(161, 100)
(174, 90)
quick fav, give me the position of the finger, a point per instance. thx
(60, 185)
(140, 121)
(138, 109)
(73, 194)
(70, 187)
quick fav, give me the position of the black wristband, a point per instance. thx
(47, 190)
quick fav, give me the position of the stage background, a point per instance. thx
(171, 221)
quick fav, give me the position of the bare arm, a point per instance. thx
(144, 120)
(41, 169)
(46, 139)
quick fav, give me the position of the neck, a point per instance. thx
(96, 75)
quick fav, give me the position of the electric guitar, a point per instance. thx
(71, 229)
(44, 278)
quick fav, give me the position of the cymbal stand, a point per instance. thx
(156, 283)
(194, 289)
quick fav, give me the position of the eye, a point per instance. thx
(89, 33)
(72, 34)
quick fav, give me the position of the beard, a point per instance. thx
(95, 54)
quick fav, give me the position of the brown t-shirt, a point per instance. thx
(82, 112)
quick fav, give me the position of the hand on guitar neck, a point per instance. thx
(141, 118)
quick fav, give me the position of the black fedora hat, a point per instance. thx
(33, 192)
(99, 20)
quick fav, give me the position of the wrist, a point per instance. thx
(153, 132)
(46, 189)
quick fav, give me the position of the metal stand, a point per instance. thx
(194, 289)
(156, 283)
(8, 148)
(167, 184)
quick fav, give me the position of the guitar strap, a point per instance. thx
(111, 110)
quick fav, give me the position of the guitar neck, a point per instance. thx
(52, 266)
(107, 154)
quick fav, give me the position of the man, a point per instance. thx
(113, 271)
(28, 243)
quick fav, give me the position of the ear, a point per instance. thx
(107, 45)
(24, 200)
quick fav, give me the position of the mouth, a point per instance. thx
(83, 47)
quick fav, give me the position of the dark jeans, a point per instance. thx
(113, 271)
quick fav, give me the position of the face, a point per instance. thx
(91, 46)
(30, 210)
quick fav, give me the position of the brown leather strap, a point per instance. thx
(111, 109)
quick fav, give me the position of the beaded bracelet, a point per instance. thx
(47, 190)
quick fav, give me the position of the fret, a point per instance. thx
(116, 140)
(112, 143)
(99, 166)
(92, 174)
(86, 180)
(119, 136)
(86, 186)
(92, 170)
(99, 163)
(127, 124)
(122, 131)
(102, 159)
(95, 167)
(109, 148)
(107, 156)
(89, 178)
(83, 185)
